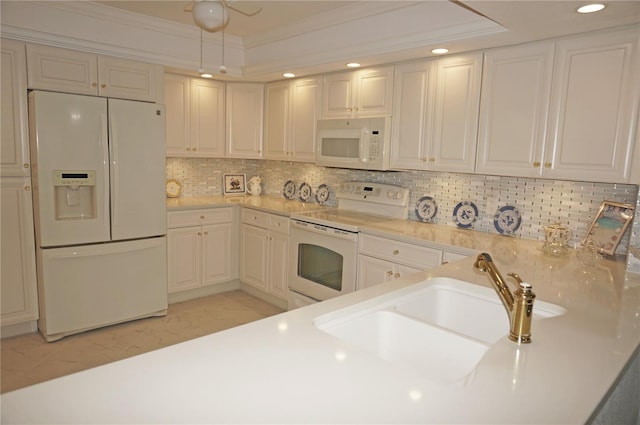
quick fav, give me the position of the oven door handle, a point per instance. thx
(323, 230)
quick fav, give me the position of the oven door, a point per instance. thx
(323, 262)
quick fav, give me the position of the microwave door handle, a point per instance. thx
(365, 138)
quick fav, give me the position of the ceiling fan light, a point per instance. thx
(210, 15)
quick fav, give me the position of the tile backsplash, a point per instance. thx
(540, 202)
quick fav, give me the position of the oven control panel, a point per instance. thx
(376, 193)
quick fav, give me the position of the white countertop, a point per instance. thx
(284, 370)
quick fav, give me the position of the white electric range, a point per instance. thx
(324, 244)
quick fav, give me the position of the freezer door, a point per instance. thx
(137, 153)
(90, 286)
(68, 138)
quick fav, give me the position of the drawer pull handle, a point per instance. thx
(201, 217)
(396, 252)
(390, 273)
(397, 275)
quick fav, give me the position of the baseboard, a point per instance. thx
(280, 303)
(16, 329)
(190, 294)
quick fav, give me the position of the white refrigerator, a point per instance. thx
(99, 207)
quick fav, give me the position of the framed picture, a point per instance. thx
(609, 226)
(234, 184)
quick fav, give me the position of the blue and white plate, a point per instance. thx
(322, 194)
(426, 209)
(465, 214)
(304, 192)
(507, 220)
(289, 190)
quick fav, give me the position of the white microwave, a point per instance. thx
(361, 143)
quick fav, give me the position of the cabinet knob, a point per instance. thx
(199, 233)
(103, 86)
(94, 84)
(27, 188)
(188, 149)
(423, 159)
(26, 165)
(390, 273)
(396, 252)
(432, 159)
(547, 165)
(536, 164)
(397, 275)
(206, 233)
(194, 149)
(201, 217)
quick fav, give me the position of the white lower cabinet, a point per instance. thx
(18, 284)
(381, 260)
(201, 248)
(264, 252)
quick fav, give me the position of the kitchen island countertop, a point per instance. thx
(284, 370)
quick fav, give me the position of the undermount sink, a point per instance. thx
(440, 328)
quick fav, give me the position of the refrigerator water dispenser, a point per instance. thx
(75, 194)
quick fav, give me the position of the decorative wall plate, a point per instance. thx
(507, 220)
(322, 194)
(465, 214)
(304, 192)
(426, 209)
(174, 188)
(289, 190)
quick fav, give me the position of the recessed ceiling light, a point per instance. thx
(440, 51)
(204, 74)
(353, 65)
(590, 8)
(288, 75)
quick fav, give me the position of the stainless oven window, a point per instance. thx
(341, 147)
(320, 265)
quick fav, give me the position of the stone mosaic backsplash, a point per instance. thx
(540, 202)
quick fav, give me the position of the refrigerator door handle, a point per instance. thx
(114, 160)
(104, 119)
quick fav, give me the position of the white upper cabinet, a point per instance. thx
(516, 84)
(594, 101)
(435, 114)
(14, 144)
(365, 93)
(195, 124)
(291, 115)
(70, 71)
(244, 114)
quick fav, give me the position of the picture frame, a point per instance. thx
(234, 184)
(609, 225)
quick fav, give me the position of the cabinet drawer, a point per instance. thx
(198, 217)
(255, 218)
(278, 223)
(400, 252)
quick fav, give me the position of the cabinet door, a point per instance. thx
(456, 113)
(593, 108)
(276, 123)
(216, 253)
(412, 115)
(373, 271)
(306, 101)
(253, 256)
(177, 97)
(14, 142)
(337, 95)
(516, 84)
(278, 264)
(374, 92)
(245, 104)
(184, 253)
(69, 71)
(127, 79)
(18, 271)
(207, 118)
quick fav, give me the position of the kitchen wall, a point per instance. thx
(540, 201)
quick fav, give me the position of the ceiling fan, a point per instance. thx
(213, 15)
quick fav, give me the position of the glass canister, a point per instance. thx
(556, 237)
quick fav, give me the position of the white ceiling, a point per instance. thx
(302, 36)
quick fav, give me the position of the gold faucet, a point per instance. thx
(519, 305)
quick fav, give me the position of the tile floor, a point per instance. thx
(29, 359)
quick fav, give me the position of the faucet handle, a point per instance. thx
(516, 277)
